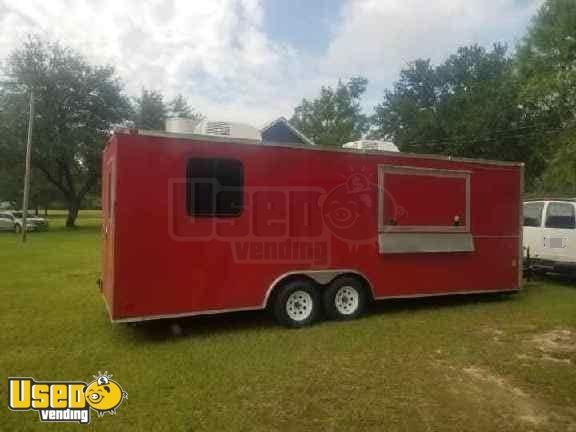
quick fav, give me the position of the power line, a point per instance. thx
(492, 138)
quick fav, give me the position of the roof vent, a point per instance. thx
(228, 130)
(218, 128)
(181, 125)
(372, 145)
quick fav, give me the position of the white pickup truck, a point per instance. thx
(550, 235)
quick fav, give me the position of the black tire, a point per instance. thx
(345, 298)
(296, 303)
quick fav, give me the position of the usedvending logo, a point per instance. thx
(66, 401)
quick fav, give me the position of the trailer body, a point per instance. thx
(196, 225)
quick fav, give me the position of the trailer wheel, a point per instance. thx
(345, 298)
(296, 303)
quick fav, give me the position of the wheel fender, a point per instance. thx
(320, 277)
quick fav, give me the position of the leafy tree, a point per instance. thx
(560, 176)
(11, 183)
(546, 63)
(468, 106)
(11, 158)
(409, 114)
(335, 117)
(150, 110)
(178, 107)
(42, 193)
(76, 106)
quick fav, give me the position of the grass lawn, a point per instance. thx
(477, 363)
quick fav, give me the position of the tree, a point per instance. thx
(11, 184)
(335, 117)
(42, 193)
(546, 64)
(151, 111)
(468, 106)
(11, 159)
(409, 114)
(560, 175)
(178, 107)
(76, 106)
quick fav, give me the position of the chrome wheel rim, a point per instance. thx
(347, 300)
(299, 305)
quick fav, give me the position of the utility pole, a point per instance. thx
(27, 173)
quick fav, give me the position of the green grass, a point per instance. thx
(475, 363)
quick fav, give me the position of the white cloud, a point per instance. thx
(217, 54)
(379, 37)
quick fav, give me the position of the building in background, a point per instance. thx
(280, 131)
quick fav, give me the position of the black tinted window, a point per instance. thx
(215, 187)
(533, 214)
(560, 215)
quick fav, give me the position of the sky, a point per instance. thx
(252, 61)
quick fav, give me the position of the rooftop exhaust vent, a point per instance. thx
(218, 128)
(228, 129)
(371, 145)
(213, 128)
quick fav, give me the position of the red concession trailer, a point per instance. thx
(197, 224)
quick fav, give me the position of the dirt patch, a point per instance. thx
(488, 377)
(496, 335)
(556, 346)
(556, 341)
(544, 357)
(515, 408)
(499, 389)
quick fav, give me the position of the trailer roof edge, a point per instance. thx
(163, 134)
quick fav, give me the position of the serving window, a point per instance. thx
(429, 206)
(424, 200)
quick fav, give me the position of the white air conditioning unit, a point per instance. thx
(181, 125)
(222, 129)
(372, 145)
(228, 129)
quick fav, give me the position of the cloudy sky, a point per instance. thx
(251, 60)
